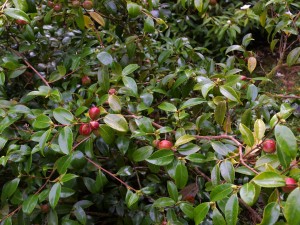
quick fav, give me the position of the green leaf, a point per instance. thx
(252, 92)
(200, 212)
(161, 157)
(249, 192)
(184, 139)
(44, 138)
(105, 58)
(227, 171)
(269, 180)
(65, 140)
(133, 9)
(9, 188)
(131, 198)
(30, 203)
(215, 175)
(142, 153)
(2, 78)
(181, 175)
(130, 69)
(229, 93)
(220, 148)
(67, 177)
(220, 112)
(17, 14)
(271, 214)
(164, 56)
(192, 102)
(52, 218)
(232, 210)
(188, 149)
(220, 192)
(234, 48)
(149, 25)
(217, 217)
(107, 133)
(291, 209)
(247, 135)
(199, 5)
(168, 107)
(206, 88)
(286, 141)
(54, 194)
(163, 202)
(80, 214)
(293, 56)
(130, 84)
(117, 122)
(63, 116)
(21, 4)
(114, 103)
(259, 129)
(63, 163)
(172, 190)
(187, 209)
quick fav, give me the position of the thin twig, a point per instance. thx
(252, 211)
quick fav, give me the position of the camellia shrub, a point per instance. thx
(148, 112)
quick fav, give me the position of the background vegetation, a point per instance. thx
(218, 79)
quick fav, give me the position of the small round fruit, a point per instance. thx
(213, 2)
(269, 146)
(45, 208)
(94, 125)
(76, 3)
(290, 185)
(155, 143)
(21, 22)
(86, 80)
(165, 144)
(50, 4)
(87, 4)
(94, 113)
(112, 91)
(85, 129)
(57, 7)
(244, 77)
(78, 160)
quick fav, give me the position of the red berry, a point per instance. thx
(85, 129)
(269, 146)
(94, 113)
(112, 91)
(57, 7)
(165, 144)
(244, 77)
(86, 80)
(21, 22)
(290, 185)
(87, 4)
(94, 125)
(76, 3)
(50, 4)
(155, 143)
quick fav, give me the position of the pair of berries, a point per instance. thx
(86, 128)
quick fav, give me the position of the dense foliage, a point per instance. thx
(149, 112)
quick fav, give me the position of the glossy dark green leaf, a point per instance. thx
(142, 153)
(181, 175)
(232, 210)
(114, 103)
(215, 175)
(133, 9)
(187, 209)
(65, 140)
(41, 122)
(220, 112)
(184, 139)
(286, 141)
(247, 135)
(130, 84)
(271, 214)
(292, 207)
(29, 204)
(164, 56)
(63, 163)
(131, 198)
(220, 148)
(9, 188)
(107, 133)
(269, 180)
(105, 58)
(172, 190)
(220, 192)
(80, 214)
(117, 122)
(249, 192)
(229, 93)
(163, 202)
(52, 218)
(17, 14)
(192, 102)
(227, 171)
(200, 212)
(161, 157)
(54, 194)
(63, 116)
(168, 107)
(217, 217)
(293, 56)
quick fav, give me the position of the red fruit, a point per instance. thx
(50, 4)
(86, 80)
(76, 3)
(290, 185)
(57, 7)
(165, 144)
(112, 91)
(87, 4)
(94, 125)
(244, 77)
(45, 208)
(21, 22)
(85, 129)
(269, 146)
(94, 113)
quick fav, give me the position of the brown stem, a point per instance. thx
(252, 211)
(110, 174)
